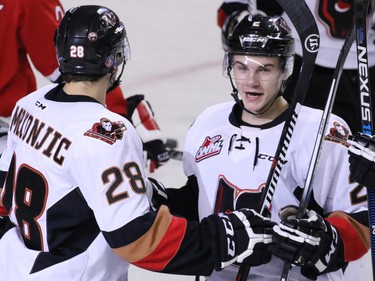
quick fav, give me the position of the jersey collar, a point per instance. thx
(235, 119)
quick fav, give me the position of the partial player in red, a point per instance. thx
(26, 32)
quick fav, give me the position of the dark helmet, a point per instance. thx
(91, 40)
(258, 35)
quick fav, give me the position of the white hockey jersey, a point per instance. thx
(67, 148)
(232, 161)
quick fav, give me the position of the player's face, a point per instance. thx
(340, 129)
(258, 80)
(107, 126)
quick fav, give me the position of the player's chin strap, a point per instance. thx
(117, 82)
(234, 95)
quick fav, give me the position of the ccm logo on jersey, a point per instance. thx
(107, 131)
(210, 147)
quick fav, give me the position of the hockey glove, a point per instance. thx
(310, 242)
(226, 9)
(141, 115)
(229, 15)
(156, 193)
(242, 234)
(361, 159)
(5, 225)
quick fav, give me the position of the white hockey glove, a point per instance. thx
(141, 115)
(310, 242)
(362, 158)
(242, 235)
(156, 193)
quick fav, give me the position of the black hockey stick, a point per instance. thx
(360, 17)
(175, 154)
(171, 144)
(305, 25)
(320, 136)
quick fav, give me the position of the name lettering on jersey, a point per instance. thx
(36, 134)
(210, 147)
(338, 134)
(107, 131)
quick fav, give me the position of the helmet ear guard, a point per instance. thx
(91, 41)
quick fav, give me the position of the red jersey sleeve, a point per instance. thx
(41, 18)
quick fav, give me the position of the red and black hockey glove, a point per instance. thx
(310, 242)
(242, 235)
(362, 158)
(226, 9)
(228, 15)
(141, 115)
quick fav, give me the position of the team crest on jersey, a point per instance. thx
(338, 133)
(210, 147)
(107, 131)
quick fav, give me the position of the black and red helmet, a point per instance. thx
(261, 35)
(91, 40)
(258, 35)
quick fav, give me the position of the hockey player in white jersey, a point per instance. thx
(229, 150)
(73, 178)
(334, 19)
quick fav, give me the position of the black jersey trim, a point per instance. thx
(130, 232)
(57, 94)
(236, 120)
(71, 229)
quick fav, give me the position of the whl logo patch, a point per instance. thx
(210, 147)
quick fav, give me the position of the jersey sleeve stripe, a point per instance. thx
(167, 248)
(164, 230)
(355, 236)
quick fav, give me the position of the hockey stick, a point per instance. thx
(170, 145)
(305, 25)
(360, 17)
(320, 136)
(175, 154)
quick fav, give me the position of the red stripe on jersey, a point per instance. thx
(3, 211)
(167, 248)
(353, 235)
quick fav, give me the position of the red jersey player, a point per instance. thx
(28, 28)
